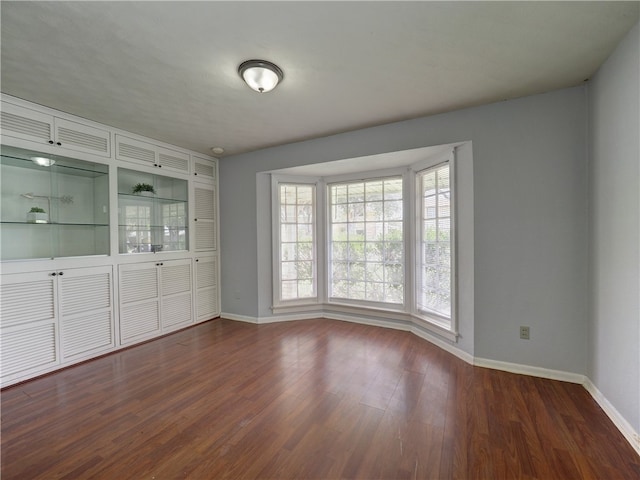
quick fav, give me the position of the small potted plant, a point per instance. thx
(143, 189)
(37, 215)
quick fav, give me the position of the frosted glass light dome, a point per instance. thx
(260, 75)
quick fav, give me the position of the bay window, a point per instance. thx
(357, 242)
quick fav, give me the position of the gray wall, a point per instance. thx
(530, 200)
(614, 155)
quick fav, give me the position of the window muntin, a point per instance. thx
(297, 249)
(434, 276)
(366, 247)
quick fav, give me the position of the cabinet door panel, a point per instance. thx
(205, 213)
(27, 298)
(84, 333)
(134, 150)
(204, 169)
(139, 288)
(176, 310)
(27, 349)
(172, 160)
(138, 320)
(207, 288)
(82, 138)
(82, 292)
(176, 293)
(138, 282)
(86, 310)
(26, 124)
(176, 278)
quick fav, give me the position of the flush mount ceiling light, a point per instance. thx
(42, 161)
(260, 75)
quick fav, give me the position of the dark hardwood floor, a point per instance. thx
(308, 399)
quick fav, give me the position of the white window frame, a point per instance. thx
(276, 182)
(433, 318)
(363, 177)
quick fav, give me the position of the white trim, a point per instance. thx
(447, 347)
(297, 308)
(289, 318)
(276, 260)
(239, 318)
(618, 420)
(374, 322)
(431, 327)
(529, 370)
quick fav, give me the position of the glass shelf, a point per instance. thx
(152, 222)
(149, 199)
(57, 224)
(74, 195)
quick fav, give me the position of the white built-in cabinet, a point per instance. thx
(51, 317)
(150, 155)
(155, 298)
(47, 130)
(83, 280)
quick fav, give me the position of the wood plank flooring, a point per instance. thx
(309, 399)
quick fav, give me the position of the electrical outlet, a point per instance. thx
(524, 333)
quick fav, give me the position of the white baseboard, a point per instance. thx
(289, 318)
(618, 420)
(374, 322)
(239, 318)
(529, 370)
(461, 354)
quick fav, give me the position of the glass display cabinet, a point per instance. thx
(52, 206)
(152, 212)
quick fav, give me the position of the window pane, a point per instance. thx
(297, 241)
(369, 220)
(433, 292)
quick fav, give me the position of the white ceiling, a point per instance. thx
(168, 70)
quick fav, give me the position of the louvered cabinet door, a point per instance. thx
(86, 311)
(173, 160)
(28, 325)
(176, 294)
(143, 153)
(45, 129)
(139, 295)
(135, 151)
(82, 138)
(204, 169)
(205, 210)
(207, 301)
(25, 124)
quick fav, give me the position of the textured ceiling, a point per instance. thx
(168, 70)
